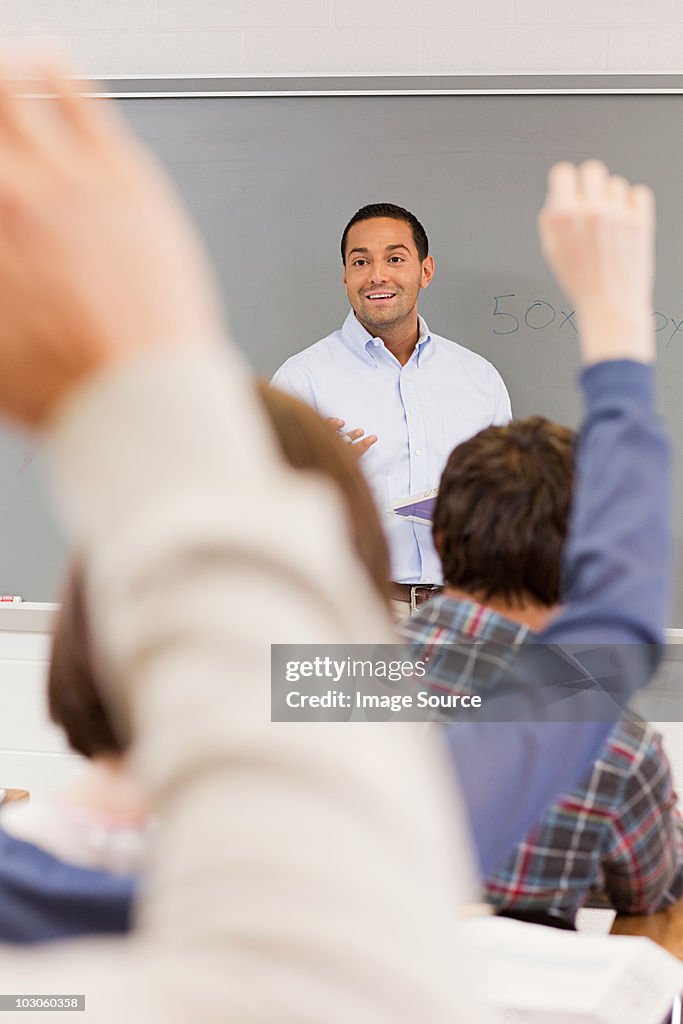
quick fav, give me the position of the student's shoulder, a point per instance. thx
(632, 745)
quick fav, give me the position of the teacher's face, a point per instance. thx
(383, 273)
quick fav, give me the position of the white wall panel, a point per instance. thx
(360, 14)
(36, 772)
(243, 13)
(341, 49)
(124, 37)
(24, 722)
(598, 12)
(33, 752)
(164, 53)
(512, 49)
(61, 16)
(645, 47)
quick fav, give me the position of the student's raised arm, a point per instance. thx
(597, 234)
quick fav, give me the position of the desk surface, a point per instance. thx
(664, 928)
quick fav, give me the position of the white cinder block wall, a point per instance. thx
(33, 753)
(167, 37)
(125, 37)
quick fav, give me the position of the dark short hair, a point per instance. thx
(502, 512)
(395, 213)
(74, 701)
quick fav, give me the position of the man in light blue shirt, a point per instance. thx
(416, 394)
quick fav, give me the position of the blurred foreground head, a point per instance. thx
(74, 699)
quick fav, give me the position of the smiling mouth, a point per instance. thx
(379, 296)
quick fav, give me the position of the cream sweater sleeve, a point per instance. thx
(307, 873)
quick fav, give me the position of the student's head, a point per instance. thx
(307, 442)
(501, 516)
(73, 698)
(386, 260)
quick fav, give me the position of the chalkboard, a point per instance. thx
(271, 178)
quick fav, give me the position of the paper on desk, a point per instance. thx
(539, 975)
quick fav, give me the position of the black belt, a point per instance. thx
(414, 594)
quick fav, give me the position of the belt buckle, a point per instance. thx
(421, 592)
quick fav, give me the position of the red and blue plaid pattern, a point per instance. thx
(617, 835)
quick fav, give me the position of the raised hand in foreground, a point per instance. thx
(597, 234)
(97, 258)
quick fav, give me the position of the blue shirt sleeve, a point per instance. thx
(43, 898)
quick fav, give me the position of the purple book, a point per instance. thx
(418, 508)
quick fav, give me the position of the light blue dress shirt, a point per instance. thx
(419, 412)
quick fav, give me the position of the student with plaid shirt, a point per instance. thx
(500, 525)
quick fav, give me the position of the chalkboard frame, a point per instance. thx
(417, 84)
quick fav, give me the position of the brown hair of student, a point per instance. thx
(307, 442)
(501, 516)
(73, 699)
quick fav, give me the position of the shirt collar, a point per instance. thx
(361, 340)
(423, 338)
(469, 620)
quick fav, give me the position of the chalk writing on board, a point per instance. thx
(538, 315)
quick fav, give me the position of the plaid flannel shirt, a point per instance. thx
(617, 835)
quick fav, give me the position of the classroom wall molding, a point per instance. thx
(379, 84)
